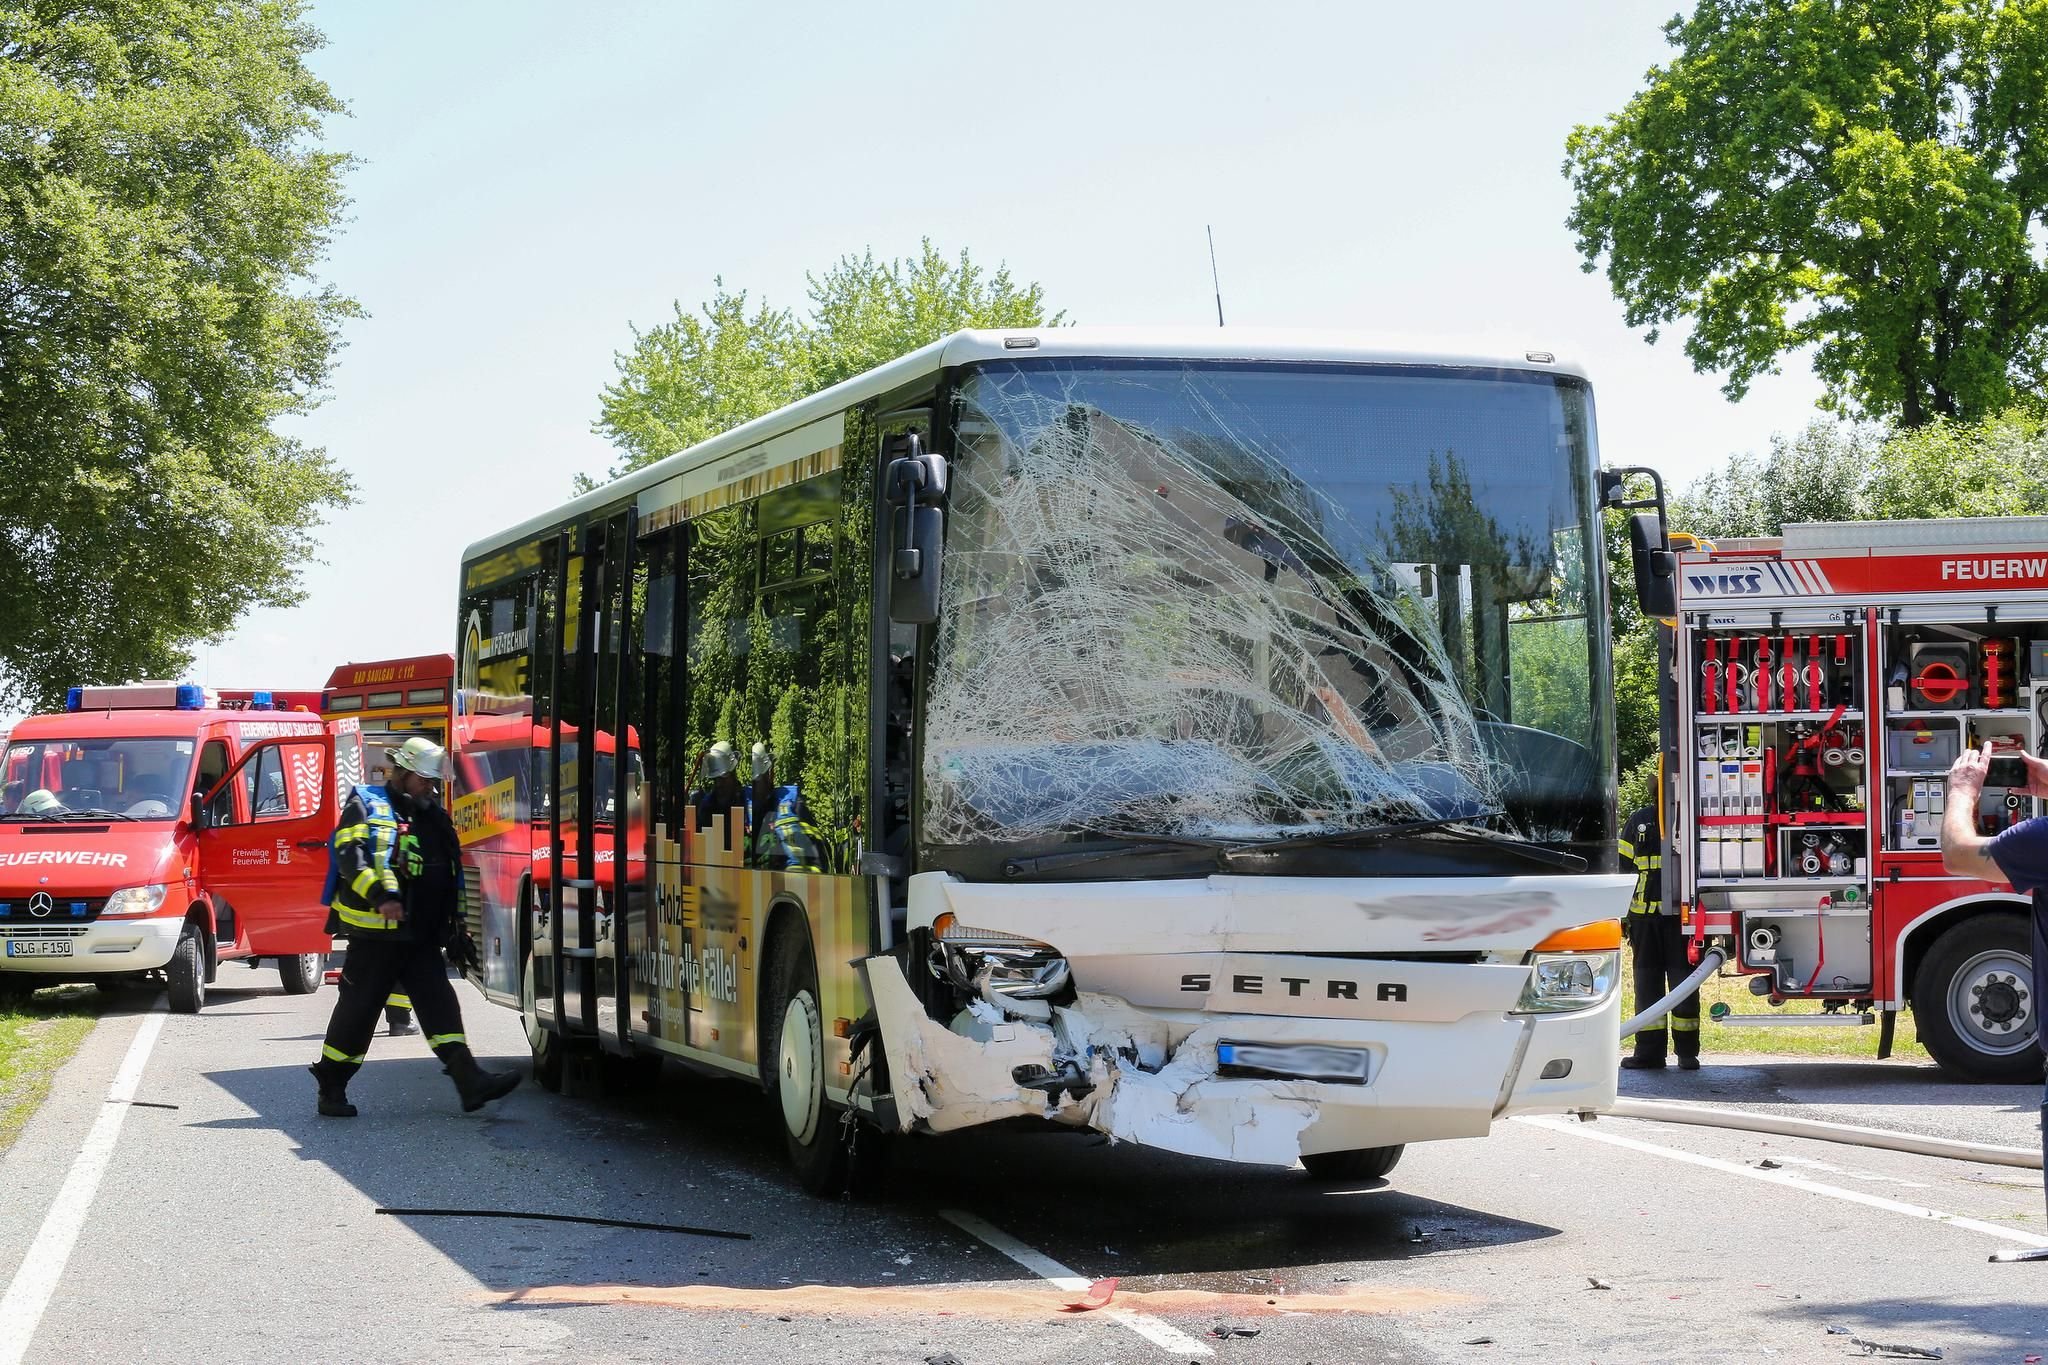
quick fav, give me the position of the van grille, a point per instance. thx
(19, 907)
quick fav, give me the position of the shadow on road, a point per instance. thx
(707, 1152)
(2014, 1324)
(1826, 1081)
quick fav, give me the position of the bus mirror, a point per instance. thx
(914, 483)
(914, 565)
(1656, 567)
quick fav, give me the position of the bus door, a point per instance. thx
(587, 852)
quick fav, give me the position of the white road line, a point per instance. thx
(1162, 1334)
(36, 1278)
(1574, 1128)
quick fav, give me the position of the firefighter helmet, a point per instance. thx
(421, 755)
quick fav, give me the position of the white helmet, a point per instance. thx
(763, 762)
(719, 760)
(41, 801)
(421, 755)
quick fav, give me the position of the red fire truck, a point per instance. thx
(151, 830)
(1821, 684)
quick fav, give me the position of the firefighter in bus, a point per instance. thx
(2017, 854)
(398, 900)
(1657, 947)
(719, 770)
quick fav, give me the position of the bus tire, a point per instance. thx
(1366, 1163)
(1973, 1001)
(302, 973)
(187, 973)
(795, 1049)
(549, 1055)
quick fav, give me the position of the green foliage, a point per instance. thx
(1818, 475)
(693, 377)
(1996, 468)
(161, 214)
(1863, 177)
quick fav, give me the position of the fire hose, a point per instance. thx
(1709, 964)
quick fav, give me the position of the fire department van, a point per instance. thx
(154, 830)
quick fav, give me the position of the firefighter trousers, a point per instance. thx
(1657, 950)
(371, 972)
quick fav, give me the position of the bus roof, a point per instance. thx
(1031, 343)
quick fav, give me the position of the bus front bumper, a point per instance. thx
(1153, 1077)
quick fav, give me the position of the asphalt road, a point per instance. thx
(232, 1224)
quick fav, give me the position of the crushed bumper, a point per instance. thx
(1151, 1077)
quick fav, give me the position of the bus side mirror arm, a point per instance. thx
(917, 530)
(1649, 536)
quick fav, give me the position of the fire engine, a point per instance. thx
(1818, 686)
(157, 830)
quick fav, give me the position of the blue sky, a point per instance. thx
(535, 178)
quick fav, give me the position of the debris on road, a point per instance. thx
(1478, 1341)
(1596, 1282)
(1225, 1330)
(944, 1358)
(1838, 1331)
(1768, 1165)
(1098, 1296)
(1898, 1352)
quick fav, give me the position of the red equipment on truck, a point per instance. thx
(1822, 683)
(150, 830)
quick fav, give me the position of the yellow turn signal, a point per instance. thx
(1584, 938)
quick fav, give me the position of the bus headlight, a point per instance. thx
(1568, 981)
(1018, 967)
(134, 900)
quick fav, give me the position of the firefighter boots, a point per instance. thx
(476, 1086)
(398, 1021)
(333, 1091)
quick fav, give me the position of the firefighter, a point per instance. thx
(1657, 949)
(722, 790)
(397, 898)
(783, 840)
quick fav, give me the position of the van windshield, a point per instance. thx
(140, 779)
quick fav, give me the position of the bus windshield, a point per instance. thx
(1257, 601)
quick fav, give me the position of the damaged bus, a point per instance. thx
(1204, 739)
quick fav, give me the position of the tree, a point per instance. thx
(1818, 475)
(1865, 177)
(693, 377)
(160, 217)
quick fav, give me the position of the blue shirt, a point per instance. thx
(2021, 853)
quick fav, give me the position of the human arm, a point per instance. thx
(2018, 855)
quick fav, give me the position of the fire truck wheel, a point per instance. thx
(187, 973)
(1973, 1001)
(548, 1052)
(302, 973)
(1367, 1163)
(795, 1047)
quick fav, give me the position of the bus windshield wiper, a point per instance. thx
(1126, 846)
(1452, 826)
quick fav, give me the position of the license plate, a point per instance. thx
(39, 947)
(1293, 1062)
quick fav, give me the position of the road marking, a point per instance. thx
(1574, 1128)
(35, 1280)
(1160, 1333)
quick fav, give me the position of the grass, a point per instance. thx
(37, 1036)
(1733, 991)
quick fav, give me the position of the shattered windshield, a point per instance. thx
(1258, 601)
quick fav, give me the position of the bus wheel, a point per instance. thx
(302, 973)
(548, 1053)
(796, 1049)
(1973, 1001)
(1367, 1163)
(187, 973)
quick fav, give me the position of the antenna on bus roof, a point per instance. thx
(1213, 277)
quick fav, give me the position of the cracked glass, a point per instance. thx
(1251, 601)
